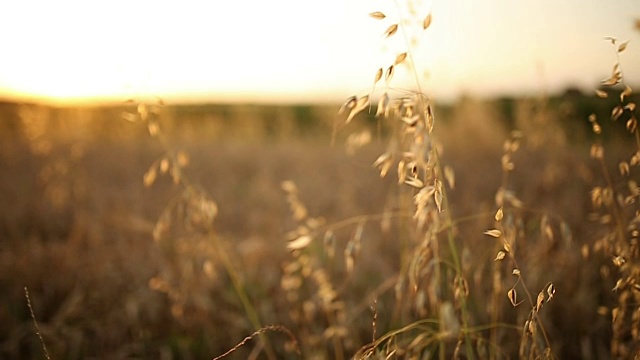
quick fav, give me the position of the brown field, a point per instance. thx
(189, 265)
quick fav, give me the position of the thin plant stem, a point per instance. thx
(35, 323)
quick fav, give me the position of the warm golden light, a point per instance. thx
(68, 51)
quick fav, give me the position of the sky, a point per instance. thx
(296, 51)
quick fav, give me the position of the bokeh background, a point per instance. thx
(145, 147)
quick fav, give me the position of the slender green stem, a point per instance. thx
(456, 262)
(238, 286)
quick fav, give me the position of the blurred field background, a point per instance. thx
(77, 222)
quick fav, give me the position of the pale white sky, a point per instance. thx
(300, 51)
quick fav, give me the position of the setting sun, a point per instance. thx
(337, 179)
(288, 51)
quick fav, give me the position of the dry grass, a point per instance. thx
(102, 286)
(249, 233)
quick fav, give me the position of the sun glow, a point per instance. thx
(287, 50)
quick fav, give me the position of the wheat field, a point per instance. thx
(386, 227)
(80, 231)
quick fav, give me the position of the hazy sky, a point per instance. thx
(298, 51)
